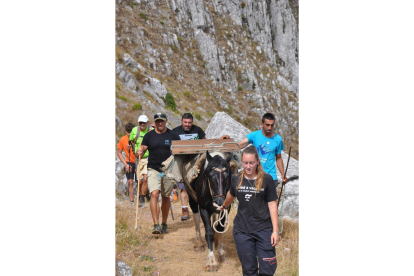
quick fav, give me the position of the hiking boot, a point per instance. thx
(141, 201)
(186, 214)
(164, 228)
(157, 229)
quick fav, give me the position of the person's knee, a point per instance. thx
(144, 177)
(155, 194)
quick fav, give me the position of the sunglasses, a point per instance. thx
(159, 115)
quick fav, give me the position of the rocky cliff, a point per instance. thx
(240, 57)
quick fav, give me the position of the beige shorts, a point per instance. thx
(164, 185)
(143, 164)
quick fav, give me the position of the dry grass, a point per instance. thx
(287, 251)
(173, 254)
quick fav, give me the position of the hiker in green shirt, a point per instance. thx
(143, 129)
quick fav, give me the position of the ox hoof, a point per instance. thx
(211, 268)
(199, 248)
(222, 258)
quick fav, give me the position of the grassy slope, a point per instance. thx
(196, 84)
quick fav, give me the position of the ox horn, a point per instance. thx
(209, 157)
(228, 159)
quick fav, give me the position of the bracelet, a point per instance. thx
(275, 232)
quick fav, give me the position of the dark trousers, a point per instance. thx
(256, 249)
(131, 174)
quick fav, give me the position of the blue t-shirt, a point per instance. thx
(267, 148)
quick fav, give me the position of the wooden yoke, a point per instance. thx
(198, 148)
(203, 145)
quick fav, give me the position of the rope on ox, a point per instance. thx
(223, 214)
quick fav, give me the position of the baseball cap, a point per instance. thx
(142, 118)
(160, 116)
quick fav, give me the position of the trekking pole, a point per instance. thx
(171, 211)
(283, 184)
(136, 213)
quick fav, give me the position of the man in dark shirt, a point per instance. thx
(158, 143)
(187, 131)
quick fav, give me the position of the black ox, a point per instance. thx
(210, 188)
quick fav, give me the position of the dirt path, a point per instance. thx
(171, 254)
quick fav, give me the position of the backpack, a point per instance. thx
(136, 136)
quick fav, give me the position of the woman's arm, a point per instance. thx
(274, 217)
(229, 200)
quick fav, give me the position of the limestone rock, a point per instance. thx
(118, 124)
(222, 124)
(131, 63)
(122, 269)
(289, 204)
(125, 76)
(156, 89)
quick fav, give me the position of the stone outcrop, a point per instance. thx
(223, 124)
(126, 77)
(122, 269)
(242, 52)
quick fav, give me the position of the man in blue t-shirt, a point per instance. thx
(269, 146)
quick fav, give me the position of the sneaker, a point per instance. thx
(186, 214)
(157, 229)
(141, 201)
(164, 228)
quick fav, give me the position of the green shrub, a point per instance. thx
(174, 48)
(170, 102)
(254, 86)
(123, 98)
(243, 5)
(188, 53)
(245, 122)
(198, 117)
(179, 38)
(210, 114)
(143, 16)
(230, 109)
(162, 23)
(239, 75)
(186, 93)
(240, 88)
(206, 94)
(137, 106)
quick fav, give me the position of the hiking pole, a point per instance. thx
(171, 211)
(139, 172)
(283, 184)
